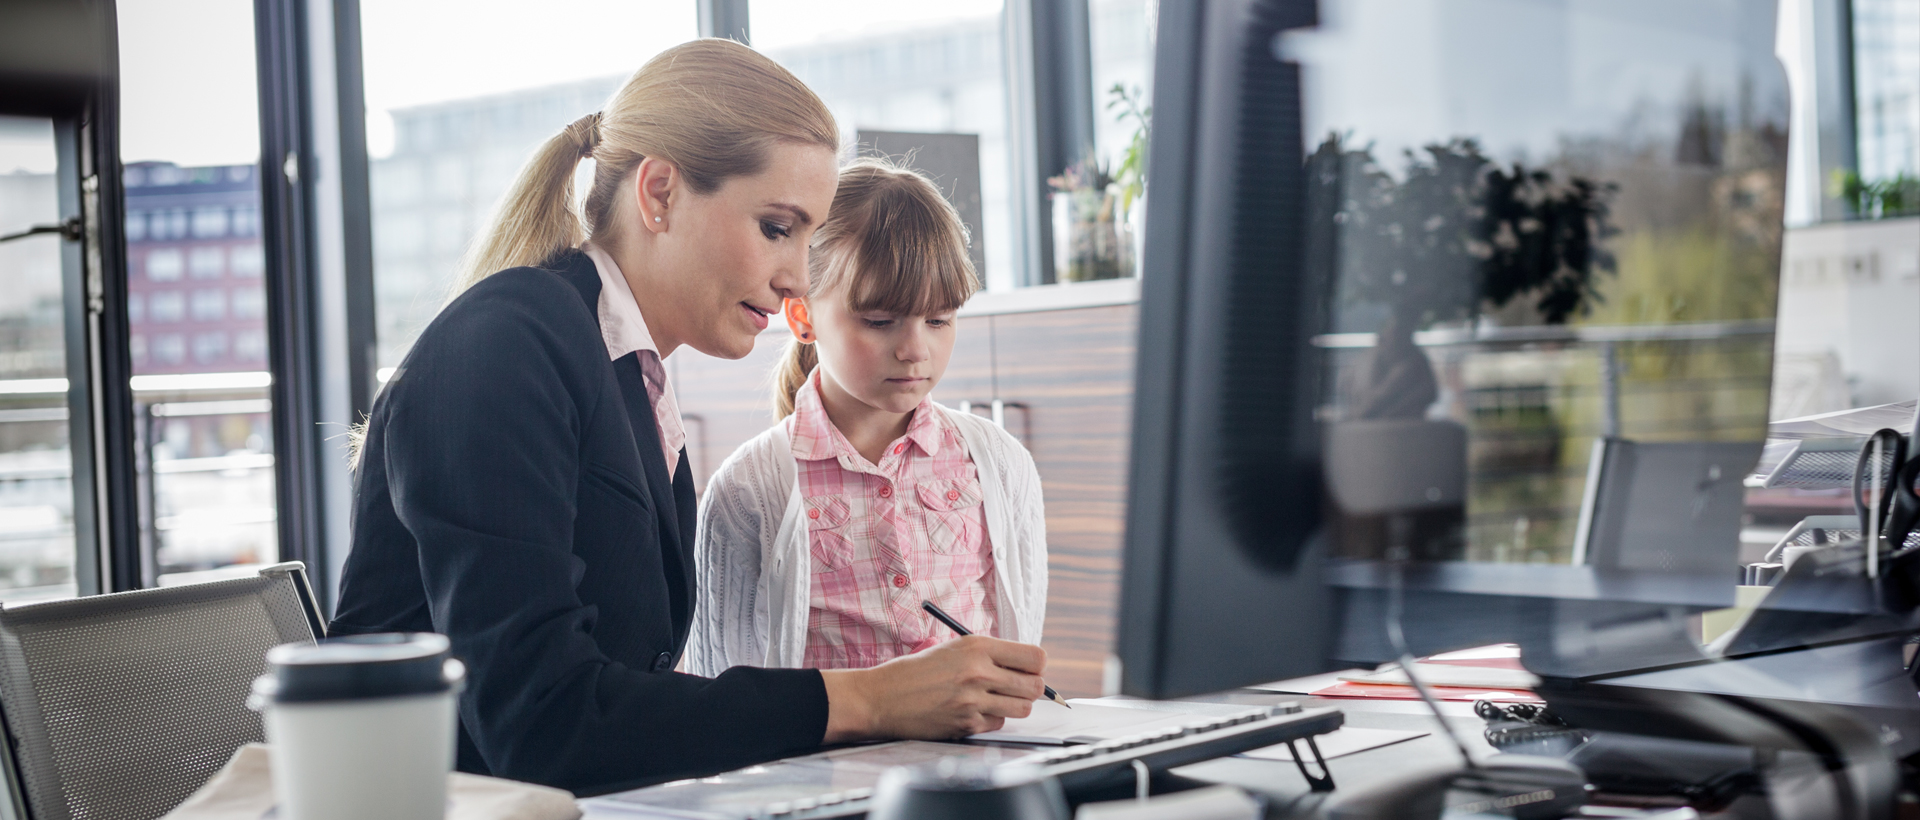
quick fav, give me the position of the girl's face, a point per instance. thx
(883, 360)
(725, 260)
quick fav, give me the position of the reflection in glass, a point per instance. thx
(196, 299)
(1547, 229)
(36, 464)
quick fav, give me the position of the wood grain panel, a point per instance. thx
(1073, 369)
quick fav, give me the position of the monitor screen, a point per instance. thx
(1475, 298)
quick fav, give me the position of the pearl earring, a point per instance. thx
(656, 219)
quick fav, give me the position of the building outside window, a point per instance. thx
(449, 123)
(190, 140)
(36, 465)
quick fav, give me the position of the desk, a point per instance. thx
(1287, 790)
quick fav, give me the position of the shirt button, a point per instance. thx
(899, 580)
(899, 448)
(813, 513)
(886, 492)
(953, 495)
(663, 662)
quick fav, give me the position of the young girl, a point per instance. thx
(820, 538)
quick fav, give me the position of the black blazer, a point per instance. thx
(513, 496)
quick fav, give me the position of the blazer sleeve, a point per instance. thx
(483, 453)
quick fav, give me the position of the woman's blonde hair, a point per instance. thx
(892, 244)
(713, 108)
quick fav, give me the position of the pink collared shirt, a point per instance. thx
(886, 536)
(625, 331)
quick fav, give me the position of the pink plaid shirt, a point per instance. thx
(886, 536)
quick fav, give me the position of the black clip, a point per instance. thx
(1321, 783)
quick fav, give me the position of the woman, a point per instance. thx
(522, 486)
(820, 538)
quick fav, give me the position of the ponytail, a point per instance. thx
(795, 366)
(536, 219)
(712, 108)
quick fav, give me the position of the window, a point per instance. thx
(167, 306)
(164, 265)
(249, 303)
(36, 463)
(248, 261)
(190, 135)
(207, 263)
(209, 305)
(444, 144)
(136, 226)
(933, 68)
(1120, 36)
(209, 222)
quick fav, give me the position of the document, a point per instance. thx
(1086, 722)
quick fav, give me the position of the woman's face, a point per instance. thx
(721, 263)
(885, 361)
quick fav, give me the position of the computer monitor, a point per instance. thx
(1406, 262)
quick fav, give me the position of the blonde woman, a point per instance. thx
(523, 488)
(820, 538)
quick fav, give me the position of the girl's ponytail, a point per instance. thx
(795, 366)
(536, 219)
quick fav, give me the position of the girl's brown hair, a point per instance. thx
(890, 244)
(710, 107)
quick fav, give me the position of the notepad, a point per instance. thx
(1086, 722)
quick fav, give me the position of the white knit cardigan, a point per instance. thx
(756, 570)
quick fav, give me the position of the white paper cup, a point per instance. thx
(361, 727)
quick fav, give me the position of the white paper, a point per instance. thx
(1338, 743)
(1085, 722)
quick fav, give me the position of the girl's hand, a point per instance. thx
(961, 687)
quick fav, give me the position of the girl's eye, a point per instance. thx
(773, 230)
(877, 324)
(939, 322)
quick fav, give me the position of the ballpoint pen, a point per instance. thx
(935, 610)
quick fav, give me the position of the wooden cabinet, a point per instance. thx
(1067, 375)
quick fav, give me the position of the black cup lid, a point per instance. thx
(359, 666)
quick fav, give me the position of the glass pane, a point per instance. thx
(36, 464)
(1098, 218)
(1886, 77)
(1534, 267)
(196, 300)
(449, 122)
(934, 69)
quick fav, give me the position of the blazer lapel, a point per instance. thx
(646, 434)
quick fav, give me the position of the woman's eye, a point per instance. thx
(774, 230)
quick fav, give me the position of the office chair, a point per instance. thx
(121, 705)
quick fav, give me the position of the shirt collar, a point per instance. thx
(815, 437)
(621, 326)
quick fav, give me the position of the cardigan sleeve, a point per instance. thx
(727, 559)
(483, 437)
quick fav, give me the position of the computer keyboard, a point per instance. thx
(839, 784)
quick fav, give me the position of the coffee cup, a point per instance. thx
(361, 726)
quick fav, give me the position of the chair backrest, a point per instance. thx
(121, 705)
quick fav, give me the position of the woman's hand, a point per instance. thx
(961, 687)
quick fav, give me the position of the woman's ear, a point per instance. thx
(653, 186)
(799, 320)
